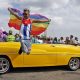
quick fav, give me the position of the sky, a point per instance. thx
(64, 15)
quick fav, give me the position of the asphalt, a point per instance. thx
(44, 73)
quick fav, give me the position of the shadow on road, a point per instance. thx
(38, 69)
(62, 69)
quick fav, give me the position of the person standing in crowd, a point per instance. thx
(72, 39)
(55, 40)
(51, 40)
(61, 40)
(76, 41)
(25, 30)
(2, 36)
(67, 41)
(5, 36)
(17, 38)
(10, 37)
(33, 39)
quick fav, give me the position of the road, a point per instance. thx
(45, 73)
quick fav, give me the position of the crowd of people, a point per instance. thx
(9, 37)
(68, 40)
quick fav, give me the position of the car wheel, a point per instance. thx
(4, 65)
(74, 64)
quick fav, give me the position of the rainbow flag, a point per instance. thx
(37, 28)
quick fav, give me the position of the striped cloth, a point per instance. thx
(25, 30)
(37, 28)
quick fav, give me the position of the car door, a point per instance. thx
(62, 54)
(41, 55)
(11, 49)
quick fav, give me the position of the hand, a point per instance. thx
(9, 8)
(49, 20)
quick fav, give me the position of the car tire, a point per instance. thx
(4, 65)
(74, 64)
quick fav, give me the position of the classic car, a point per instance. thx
(41, 55)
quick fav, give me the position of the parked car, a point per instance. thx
(41, 55)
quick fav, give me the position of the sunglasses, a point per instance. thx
(24, 14)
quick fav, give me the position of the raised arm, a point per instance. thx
(12, 12)
(36, 21)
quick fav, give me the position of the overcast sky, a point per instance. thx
(64, 14)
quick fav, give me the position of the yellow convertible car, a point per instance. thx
(41, 55)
